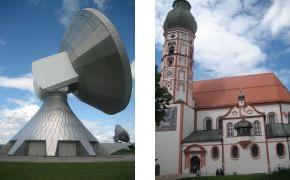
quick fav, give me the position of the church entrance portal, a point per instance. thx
(194, 164)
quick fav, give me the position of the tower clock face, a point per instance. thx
(169, 73)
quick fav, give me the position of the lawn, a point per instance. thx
(67, 171)
(124, 152)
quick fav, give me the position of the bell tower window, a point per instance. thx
(171, 50)
(170, 61)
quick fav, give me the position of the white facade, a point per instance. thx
(167, 142)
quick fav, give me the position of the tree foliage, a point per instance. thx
(162, 98)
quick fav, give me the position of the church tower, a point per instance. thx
(177, 75)
(178, 50)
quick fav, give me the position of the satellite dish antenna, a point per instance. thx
(92, 63)
(121, 134)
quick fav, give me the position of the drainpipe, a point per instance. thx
(288, 148)
(223, 156)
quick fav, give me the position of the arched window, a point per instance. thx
(255, 151)
(257, 128)
(215, 153)
(171, 50)
(230, 130)
(272, 117)
(207, 123)
(219, 123)
(170, 61)
(235, 152)
(280, 149)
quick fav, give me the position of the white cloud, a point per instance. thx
(2, 42)
(23, 82)
(132, 65)
(230, 36)
(13, 119)
(36, 2)
(277, 16)
(70, 7)
(100, 3)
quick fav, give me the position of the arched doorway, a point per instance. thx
(194, 164)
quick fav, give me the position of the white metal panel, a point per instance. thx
(66, 148)
(54, 72)
(36, 148)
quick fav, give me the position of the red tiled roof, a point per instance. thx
(257, 88)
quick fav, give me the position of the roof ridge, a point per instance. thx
(246, 87)
(228, 77)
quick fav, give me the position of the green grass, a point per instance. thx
(67, 171)
(124, 151)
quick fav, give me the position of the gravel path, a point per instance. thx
(113, 158)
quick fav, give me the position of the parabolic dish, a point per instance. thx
(101, 61)
(121, 134)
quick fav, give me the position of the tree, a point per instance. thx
(162, 98)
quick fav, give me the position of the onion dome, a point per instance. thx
(180, 17)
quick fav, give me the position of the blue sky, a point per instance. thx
(33, 29)
(236, 37)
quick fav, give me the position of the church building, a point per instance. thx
(239, 124)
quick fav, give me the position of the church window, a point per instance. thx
(230, 130)
(244, 131)
(243, 128)
(257, 128)
(255, 152)
(207, 123)
(272, 117)
(280, 149)
(172, 36)
(170, 61)
(171, 50)
(215, 153)
(235, 152)
(219, 123)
